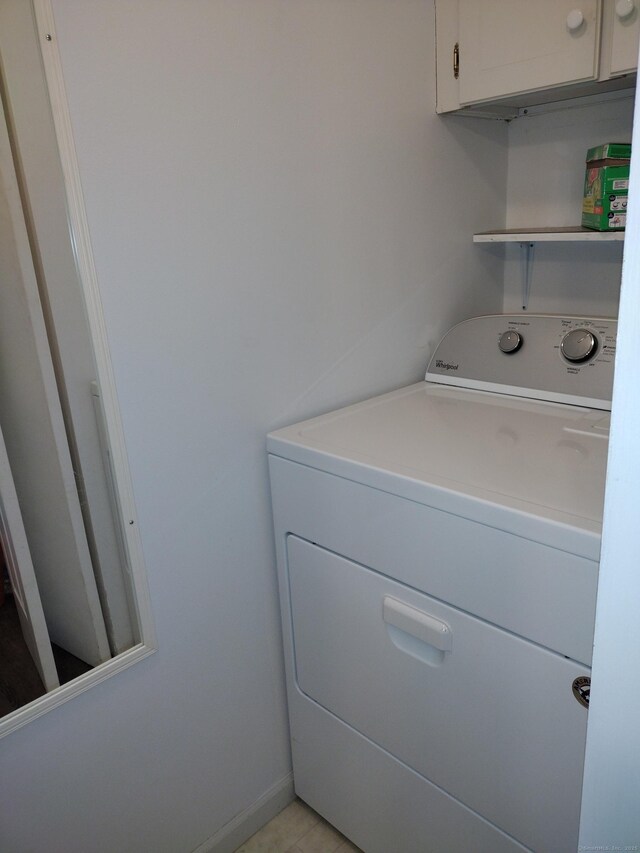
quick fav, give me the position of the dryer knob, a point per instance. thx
(579, 345)
(510, 342)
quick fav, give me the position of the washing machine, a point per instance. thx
(437, 553)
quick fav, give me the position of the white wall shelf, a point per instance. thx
(528, 237)
(568, 234)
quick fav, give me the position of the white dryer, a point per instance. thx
(438, 556)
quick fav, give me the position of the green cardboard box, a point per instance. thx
(606, 186)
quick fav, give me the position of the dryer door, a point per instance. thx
(483, 714)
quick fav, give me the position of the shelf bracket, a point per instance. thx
(526, 267)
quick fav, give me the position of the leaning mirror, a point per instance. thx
(73, 598)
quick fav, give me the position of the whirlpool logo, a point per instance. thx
(446, 365)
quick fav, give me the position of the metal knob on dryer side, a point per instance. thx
(579, 345)
(510, 342)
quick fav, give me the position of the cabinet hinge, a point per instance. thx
(456, 60)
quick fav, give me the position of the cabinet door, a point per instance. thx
(513, 46)
(625, 32)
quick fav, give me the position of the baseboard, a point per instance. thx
(234, 833)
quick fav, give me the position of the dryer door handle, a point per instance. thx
(417, 623)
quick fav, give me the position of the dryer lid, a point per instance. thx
(541, 458)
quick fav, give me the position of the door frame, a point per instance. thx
(22, 576)
(611, 783)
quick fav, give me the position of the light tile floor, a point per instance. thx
(298, 829)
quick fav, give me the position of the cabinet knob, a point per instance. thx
(575, 19)
(624, 8)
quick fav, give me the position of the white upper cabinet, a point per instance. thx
(495, 57)
(620, 37)
(513, 46)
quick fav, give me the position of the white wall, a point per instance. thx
(547, 156)
(281, 223)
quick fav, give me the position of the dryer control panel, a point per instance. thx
(541, 356)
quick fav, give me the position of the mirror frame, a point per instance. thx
(79, 232)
